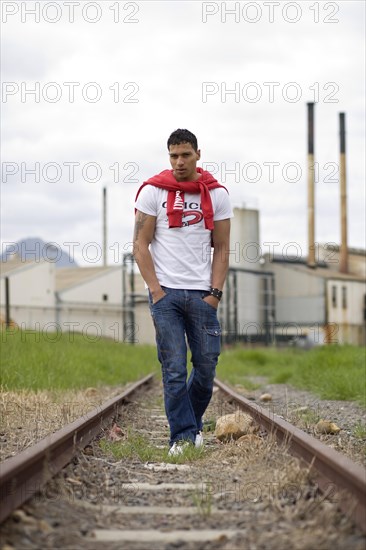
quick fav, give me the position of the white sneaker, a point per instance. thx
(178, 448)
(199, 440)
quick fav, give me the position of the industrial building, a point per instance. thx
(268, 299)
(277, 300)
(88, 300)
(27, 293)
(92, 300)
(319, 305)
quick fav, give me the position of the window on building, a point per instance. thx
(105, 297)
(334, 296)
(344, 297)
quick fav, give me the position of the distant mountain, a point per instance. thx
(35, 248)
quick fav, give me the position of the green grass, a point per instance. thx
(309, 417)
(32, 361)
(332, 372)
(72, 361)
(203, 500)
(137, 446)
(359, 430)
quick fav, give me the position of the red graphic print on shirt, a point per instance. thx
(190, 217)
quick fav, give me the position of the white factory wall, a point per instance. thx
(31, 285)
(346, 312)
(81, 308)
(91, 291)
(299, 296)
(109, 322)
(31, 295)
(250, 313)
(144, 330)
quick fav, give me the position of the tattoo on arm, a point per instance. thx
(139, 224)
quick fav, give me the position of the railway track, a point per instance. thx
(226, 496)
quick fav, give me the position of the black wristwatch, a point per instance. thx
(216, 293)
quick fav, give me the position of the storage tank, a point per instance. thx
(245, 247)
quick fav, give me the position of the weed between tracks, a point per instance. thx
(234, 474)
(203, 501)
(264, 474)
(306, 419)
(360, 430)
(137, 446)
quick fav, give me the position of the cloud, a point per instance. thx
(162, 63)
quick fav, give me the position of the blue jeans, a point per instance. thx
(181, 316)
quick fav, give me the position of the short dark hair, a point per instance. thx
(182, 136)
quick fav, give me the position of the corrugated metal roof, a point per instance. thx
(15, 264)
(336, 248)
(322, 272)
(67, 277)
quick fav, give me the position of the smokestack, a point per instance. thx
(104, 226)
(343, 257)
(311, 172)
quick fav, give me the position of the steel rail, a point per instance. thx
(334, 472)
(23, 475)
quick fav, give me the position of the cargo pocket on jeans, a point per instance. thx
(211, 337)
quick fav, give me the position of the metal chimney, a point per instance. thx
(343, 257)
(104, 226)
(311, 173)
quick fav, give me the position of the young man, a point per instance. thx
(180, 214)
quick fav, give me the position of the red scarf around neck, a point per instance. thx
(176, 190)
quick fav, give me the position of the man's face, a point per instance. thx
(183, 159)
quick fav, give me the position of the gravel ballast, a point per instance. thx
(304, 410)
(258, 493)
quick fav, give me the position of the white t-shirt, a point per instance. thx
(182, 255)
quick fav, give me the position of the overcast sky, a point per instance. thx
(136, 71)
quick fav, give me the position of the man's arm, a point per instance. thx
(143, 235)
(220, 259)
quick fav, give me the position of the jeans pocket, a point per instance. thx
(206, 303)
(151, 304)
(211, 340)
(160, 300)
